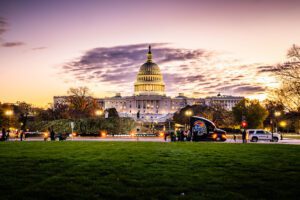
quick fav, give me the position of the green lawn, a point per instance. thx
(148, 170)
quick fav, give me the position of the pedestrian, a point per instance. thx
(17, 135)
(21, 135)
(173, 137)
(181, 135)
(7, 134)
(178, 135)
(3, 134)
(52, 135)
(234, 137)
(244, 136)
(188, 135)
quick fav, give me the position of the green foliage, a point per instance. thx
(86, 125)
(148, 170)
(253, 112)
(112, 112)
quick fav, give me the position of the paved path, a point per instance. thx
(158, 139)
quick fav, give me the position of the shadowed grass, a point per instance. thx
(146, 170)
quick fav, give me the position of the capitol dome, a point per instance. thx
(149, 79)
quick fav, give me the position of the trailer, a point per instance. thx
(203, 129)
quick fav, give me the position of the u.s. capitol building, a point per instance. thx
(150, 102)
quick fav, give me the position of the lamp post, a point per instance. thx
(276, 114)
(283, 125)
(99, 112)
(9, 114)
(189, 113)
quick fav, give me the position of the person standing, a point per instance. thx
(188, 135)
(7, 135)
(244, 136)
(178, 135)
(17, 135)
(3, 134)
(172, 135)
(182, 135)
(52, 135)
(21, 135)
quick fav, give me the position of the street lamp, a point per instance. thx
(277, 114)
(189, 113)
(98, 112)
(9, 114)
(283, 125)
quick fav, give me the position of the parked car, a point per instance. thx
(260, 134)
(204, 129)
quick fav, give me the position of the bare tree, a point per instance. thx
(81, 103)
(288, 94)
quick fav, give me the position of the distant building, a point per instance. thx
(227, 102)
(60, 100)
(149, 102)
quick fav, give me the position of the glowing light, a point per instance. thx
(103, 133)
(282, 124)
(188, 113)
(9, 112)
(98, 112)
(277, 114)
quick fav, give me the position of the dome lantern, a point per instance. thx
(149, 55)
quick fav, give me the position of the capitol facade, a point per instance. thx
(149, 102)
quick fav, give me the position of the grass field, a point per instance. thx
(148, 170)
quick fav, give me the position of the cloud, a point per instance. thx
(269, 68)
(121, 63)
(3, 29)
(243, 88)
(38, 48)
(249, 89)
(12, 44)
(3, 25)
(193, 71)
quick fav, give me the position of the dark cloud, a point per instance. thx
(277, 68)
(3, 29)
(249, 89)
(243, 88)
(183, 70)
(12, 44)
(121, 63)
(263, 69)
(3, 25)
(38, 48)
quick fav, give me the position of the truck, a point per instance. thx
(203, 129)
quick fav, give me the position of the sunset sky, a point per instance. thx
(202, 47)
